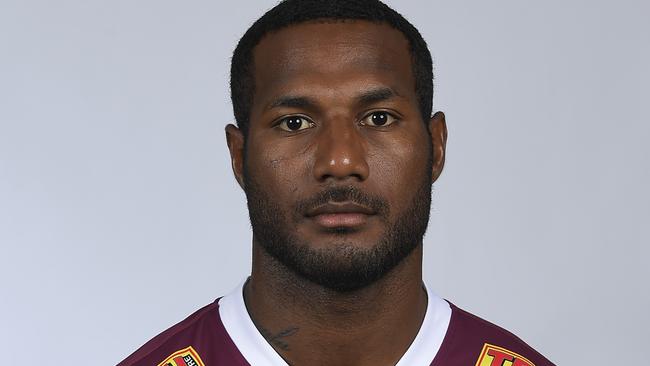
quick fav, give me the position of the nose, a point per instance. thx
(340, 154)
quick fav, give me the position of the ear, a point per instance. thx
(235, 140)
(438, 129)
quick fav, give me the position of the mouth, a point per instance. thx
(340, 214)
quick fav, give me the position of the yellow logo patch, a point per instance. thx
(497, 356)
(185, 357)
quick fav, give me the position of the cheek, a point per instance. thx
(398, 160)
(282, 173)
(398, 169)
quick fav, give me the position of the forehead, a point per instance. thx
(315, 57)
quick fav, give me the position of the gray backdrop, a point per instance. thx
(119, 215)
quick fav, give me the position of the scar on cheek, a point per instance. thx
(276, 162)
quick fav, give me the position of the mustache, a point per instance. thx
(344, 194)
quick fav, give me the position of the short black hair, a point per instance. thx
(290, 12)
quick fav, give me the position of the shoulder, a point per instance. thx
(200, 337)
(471, 340)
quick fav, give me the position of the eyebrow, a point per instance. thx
(376, 95)
(365, 98)
(292, 101)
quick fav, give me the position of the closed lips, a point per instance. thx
(340, 208)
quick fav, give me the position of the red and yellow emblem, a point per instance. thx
(497, 356)
(185, 357)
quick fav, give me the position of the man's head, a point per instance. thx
(336, 149)
(290, 12)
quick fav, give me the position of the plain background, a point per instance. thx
(119, 214)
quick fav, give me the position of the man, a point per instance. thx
(336, 150)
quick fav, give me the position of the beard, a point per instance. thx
(341, 266)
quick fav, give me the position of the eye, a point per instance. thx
(378, 119)
(294, 123)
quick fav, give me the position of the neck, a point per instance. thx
(308, 324)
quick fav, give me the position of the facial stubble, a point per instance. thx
(342, 266)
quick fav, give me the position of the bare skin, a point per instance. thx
(336, 76)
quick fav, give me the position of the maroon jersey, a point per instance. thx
(222, 334)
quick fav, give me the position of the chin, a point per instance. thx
(341, 265)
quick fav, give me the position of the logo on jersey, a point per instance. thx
(497, 356)
(185, 357)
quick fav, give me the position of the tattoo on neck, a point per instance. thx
(279, 339)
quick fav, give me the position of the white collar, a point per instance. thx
(257, 351)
